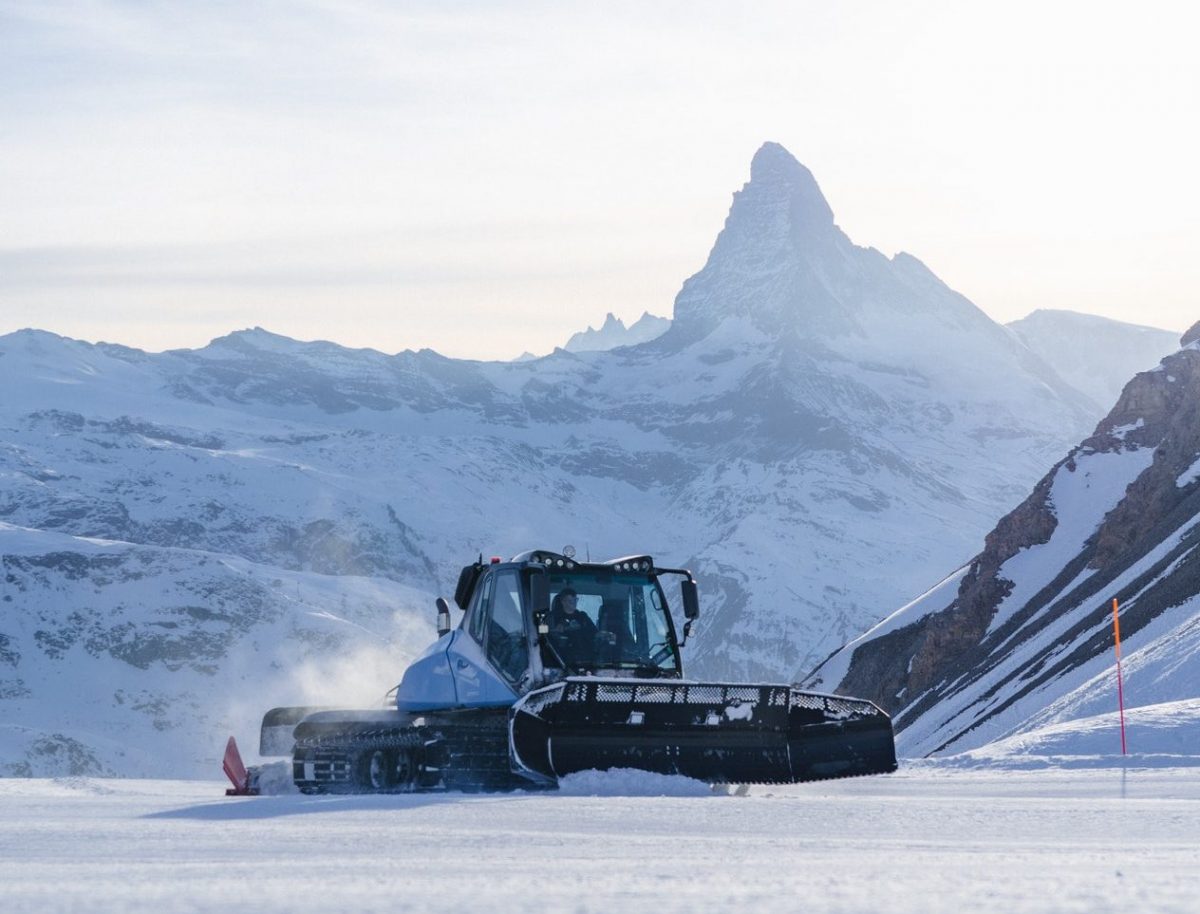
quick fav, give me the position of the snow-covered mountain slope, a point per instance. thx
(1165, 735)
(135, 659)
(821, 430)
(1022, 638)
(613, 333)
(1094, 354)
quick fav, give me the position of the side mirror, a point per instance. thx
(467, 579)
(691, 606)
(691, 599)
(443, 616)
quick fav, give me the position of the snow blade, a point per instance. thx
(236, 771)
(766, 734)
(278, 726)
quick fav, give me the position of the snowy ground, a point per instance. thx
(930, 838)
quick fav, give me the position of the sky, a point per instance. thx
(485, 179)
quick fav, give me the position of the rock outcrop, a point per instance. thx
(1029, 618)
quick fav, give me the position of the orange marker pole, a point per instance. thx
(1120, 688)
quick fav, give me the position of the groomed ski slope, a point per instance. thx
(929, 839)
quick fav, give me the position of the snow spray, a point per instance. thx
(1120, 687)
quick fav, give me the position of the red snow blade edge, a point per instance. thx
(235, 770)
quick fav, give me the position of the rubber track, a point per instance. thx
(476, 757)
(350, 749)
(453, 755)
(450, 755)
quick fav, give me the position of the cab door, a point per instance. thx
(489, 654)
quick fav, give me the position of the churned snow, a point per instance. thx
(629, 782)
(929, 839)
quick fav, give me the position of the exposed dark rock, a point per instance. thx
(9, 655)
(58, 755)
(129, 426)
(951, 651)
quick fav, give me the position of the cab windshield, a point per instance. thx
(605, 620)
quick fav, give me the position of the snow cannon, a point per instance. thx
(559, 666)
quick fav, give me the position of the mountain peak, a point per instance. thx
(256, 340)
(780, 261)
(777, 172)
(614, 333)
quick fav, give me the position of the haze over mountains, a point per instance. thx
(190, 537)
(1094, 354)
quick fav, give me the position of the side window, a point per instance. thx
(506, 643)
(479, 608)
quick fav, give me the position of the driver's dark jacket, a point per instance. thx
(574, 635)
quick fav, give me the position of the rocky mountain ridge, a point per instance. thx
(1026, 626)
(613, 333)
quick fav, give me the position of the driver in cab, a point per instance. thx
(572, 630)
